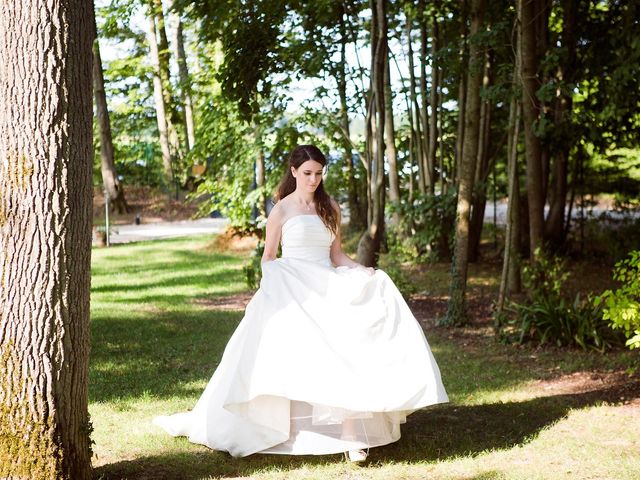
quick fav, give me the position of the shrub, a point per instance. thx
(549, 316)
(622, 306)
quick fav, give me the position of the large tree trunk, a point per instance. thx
(46, 157)
(371, 240)
(530, 109)
(456, 313)
(185, 84)
(161, 114)
(113, 188)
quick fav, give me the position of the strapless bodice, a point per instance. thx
(306, 237)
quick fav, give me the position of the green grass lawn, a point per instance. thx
(160, 324)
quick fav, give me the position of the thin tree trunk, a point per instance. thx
(433, 99)
(456, 313)
(555, 228)
(483, 169)
(165, 77)
(185, 84)
(424, 101)
(462, 87)
(416, 131)
(356, 219)
(161, 116)
(370, 242)
(390, 145)
(530, 110)
(113, 188)
(46, 153)
(510, 279)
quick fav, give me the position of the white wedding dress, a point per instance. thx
(325, 360)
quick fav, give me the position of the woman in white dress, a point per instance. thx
(328, 357)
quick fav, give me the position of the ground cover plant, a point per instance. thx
(163, 311)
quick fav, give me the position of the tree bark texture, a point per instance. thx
(370, 242)
(530, 109)
(113, 188)
(456, 313)
(46, 156)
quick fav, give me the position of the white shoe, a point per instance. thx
(356, 456)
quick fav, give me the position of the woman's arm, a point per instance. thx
(338, 257)
(272, 237)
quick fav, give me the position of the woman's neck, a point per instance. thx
(303, 197)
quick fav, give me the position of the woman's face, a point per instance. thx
(308, 175)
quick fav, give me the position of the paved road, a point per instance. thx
(154, 231)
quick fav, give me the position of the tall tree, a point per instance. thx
(185, 80)
(456, 313)
(527, 14)
(158, 96)
(565, 76)
(371, 240)
(45, 237)
(113, 188)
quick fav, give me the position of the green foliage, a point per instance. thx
(426, 231)
(622, 306)
(548, 316)
(253, 267)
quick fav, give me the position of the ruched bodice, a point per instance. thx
(306, 237)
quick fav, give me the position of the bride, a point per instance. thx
(328, 357)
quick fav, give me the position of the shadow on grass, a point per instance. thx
(159, 353)
(436, 433)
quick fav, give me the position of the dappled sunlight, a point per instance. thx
(158, 335)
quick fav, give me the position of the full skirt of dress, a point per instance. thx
(325, 360)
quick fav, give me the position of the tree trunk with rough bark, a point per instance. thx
(371, 240)
(530, 109)
(457, 312)
(46, 157)
(113, 188)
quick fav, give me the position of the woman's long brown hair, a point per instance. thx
(299, 155)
